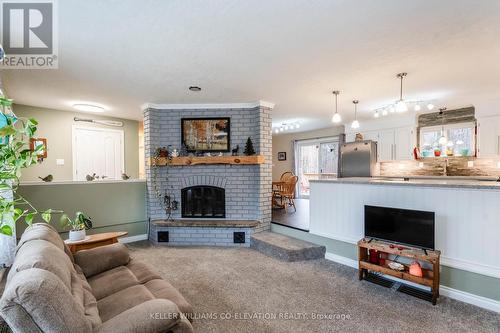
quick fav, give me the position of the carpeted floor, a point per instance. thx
(241, 283)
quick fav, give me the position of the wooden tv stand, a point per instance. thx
(430, 277)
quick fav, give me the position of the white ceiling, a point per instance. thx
(125, 53)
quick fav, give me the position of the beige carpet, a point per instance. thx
(244, 291)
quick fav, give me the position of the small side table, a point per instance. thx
(95, 240)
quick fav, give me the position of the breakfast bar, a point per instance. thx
(467, 226)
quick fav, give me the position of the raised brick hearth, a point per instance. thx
(247, 188)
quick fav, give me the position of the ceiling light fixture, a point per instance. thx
(355, 123)
(417, 107)
(430, 106)
(286, 126)
(442, 140)
(336, 116)
(401, 104)
(88, 108)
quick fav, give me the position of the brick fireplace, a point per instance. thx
(219, 204)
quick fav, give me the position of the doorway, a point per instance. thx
(98, 151)
(315, 159)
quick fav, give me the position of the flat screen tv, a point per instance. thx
(409, 227)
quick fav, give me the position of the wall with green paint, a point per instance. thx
(117, 206)
(56, 126)
(469, 282)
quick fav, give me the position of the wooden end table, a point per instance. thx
(95, 240)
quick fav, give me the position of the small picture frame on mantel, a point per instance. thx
(282, 156)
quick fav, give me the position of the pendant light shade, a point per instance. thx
(401, 104)
(355, 123)
(336, 118)
(442, 140)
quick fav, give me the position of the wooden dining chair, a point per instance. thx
(287, 192)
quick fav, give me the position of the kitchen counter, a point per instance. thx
(466, 183)
(466, 211)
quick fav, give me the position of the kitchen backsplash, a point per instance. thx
(447, 166)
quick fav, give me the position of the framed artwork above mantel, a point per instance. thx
(206, 134)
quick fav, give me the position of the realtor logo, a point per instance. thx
(29, 34)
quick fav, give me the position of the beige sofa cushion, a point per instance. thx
(143, 272)
(44, 255)
(35, 300)
(100, 259)
(112, 281)
(41, 231)
(123, 300)
(162, 289)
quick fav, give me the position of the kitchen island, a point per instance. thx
(467, 214)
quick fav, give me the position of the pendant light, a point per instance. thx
(336, 116)
(442, 140)
(355, 123)
(401, 105)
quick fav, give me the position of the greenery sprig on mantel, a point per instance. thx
(15, 154)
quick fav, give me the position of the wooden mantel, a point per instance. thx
(192, 160)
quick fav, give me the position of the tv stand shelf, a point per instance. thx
(430, 277)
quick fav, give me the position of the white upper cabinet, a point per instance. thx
(488, 136)
(404, 143)
(386, 145)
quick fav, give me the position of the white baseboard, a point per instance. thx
(480, 301)
(132, 239)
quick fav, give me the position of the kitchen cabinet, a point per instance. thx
(392, 144)
(404, 143)
(385, 145)
(488, 136)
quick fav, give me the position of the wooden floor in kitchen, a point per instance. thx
(294, 219)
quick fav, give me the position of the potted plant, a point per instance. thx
(77, 226)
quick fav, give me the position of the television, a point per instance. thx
(409, 227)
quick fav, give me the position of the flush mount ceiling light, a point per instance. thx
(195, 88)
(355, 123)
(336, 118)
(88, 107)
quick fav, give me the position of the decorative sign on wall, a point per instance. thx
(282, 156)
(206, 134)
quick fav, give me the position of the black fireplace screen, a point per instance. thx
(203, 202)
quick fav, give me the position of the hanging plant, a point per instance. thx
(15, 154)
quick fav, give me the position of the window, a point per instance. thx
(460, 140)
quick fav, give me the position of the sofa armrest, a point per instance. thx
(154, 316)
(100, 259)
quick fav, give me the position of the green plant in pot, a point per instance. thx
(77, 226)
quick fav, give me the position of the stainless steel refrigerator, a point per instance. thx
(358, 159)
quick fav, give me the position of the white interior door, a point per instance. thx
(97, 151)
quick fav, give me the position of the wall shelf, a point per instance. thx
(204, 160)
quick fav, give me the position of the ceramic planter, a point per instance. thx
(77, 235)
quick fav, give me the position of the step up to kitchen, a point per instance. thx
(285, 248)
